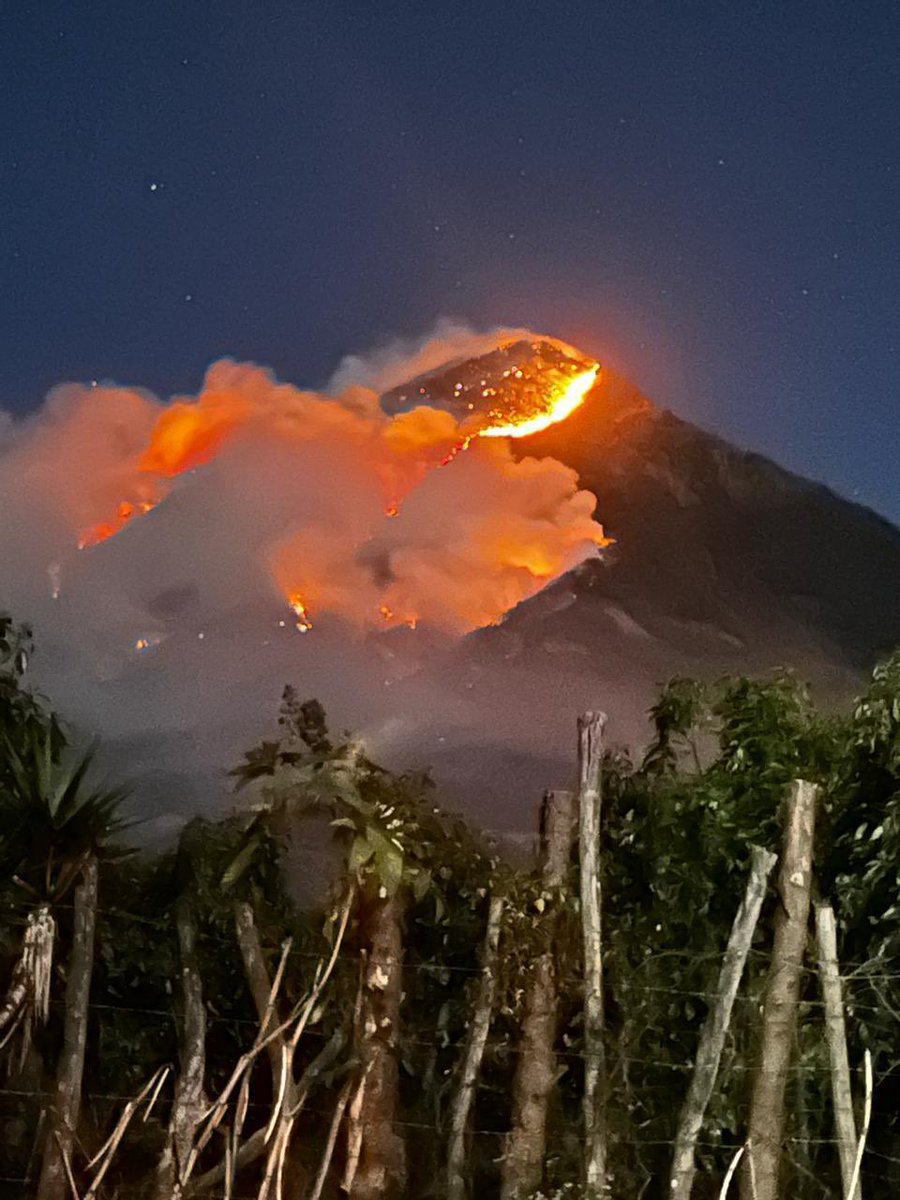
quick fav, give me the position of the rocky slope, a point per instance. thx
(723, 563)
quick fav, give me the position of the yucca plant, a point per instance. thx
(55, 825)
(49, 820)
(58, 824)
(52, 814)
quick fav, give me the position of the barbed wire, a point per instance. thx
(435, 1127)
(856, 976)
(723, 1144)
(441, 1043)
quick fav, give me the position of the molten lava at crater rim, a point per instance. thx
(517, 390)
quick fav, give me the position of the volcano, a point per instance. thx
(722, 563)
(437, 548)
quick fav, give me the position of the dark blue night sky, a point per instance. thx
(707, 196)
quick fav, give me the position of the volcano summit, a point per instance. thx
(434, 540)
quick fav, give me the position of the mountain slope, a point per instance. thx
(723, 563)
(706, 532)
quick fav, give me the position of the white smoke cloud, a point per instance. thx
(173, 636)
(403, 359)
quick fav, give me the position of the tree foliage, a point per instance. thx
(678, 824)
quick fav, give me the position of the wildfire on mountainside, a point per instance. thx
(303, 622)
(520, 389)
(560, 407)
(105, 529)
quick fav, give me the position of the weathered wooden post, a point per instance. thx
(590, 758)
(63, 1126)
(536, 1068)
(376, 1158)
(188, 1103)
(715, 1027)
(836, 1036)
(473, 1053)
(759, 1179)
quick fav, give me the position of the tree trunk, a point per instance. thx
(281, 1053)
(66, 1105)
(715, 1027)
(536, 1069)
(258, 980)
(473, 1053)
(590, 758)
(759, 1178)
(376, 1166)
(188, 1102)
(836, 1036)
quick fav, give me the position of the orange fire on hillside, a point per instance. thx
(303, 623)
(560, 404)
(512, 553)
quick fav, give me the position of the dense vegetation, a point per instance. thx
(118, 964)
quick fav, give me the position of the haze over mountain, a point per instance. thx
(721, 563)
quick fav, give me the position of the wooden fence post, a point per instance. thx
(63, 1127)
(188, 1102)
(376, 1169)
(473, 1053)
(536, 1068)
(715, 1027)
(590, 758)
(836, 1036)
(759, 1179)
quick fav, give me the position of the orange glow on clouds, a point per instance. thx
(455, 548)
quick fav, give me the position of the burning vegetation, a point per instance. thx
(354, 517)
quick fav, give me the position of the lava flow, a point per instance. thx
(524, 415)
(380, 537)
(560, 406)
(105, 529)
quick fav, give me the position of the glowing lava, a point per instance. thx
(303, 622)
(105, 529)
(558, 408)
(457, 548)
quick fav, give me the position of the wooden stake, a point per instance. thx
(188, 1102)
(54, 1181)
(536, 1067)
(715, 1028)
(729, 1174)
(328, 1152)
(476, 1039)
(759, 1179)
(836, 1036)
(590, 758)
(867, 1117)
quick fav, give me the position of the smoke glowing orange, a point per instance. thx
(457, 549)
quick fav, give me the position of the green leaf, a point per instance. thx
(361, 852)
(241, 862)
(388, 864)
(421, 883)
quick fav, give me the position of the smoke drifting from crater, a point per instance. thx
(257, 506)
(377, 519)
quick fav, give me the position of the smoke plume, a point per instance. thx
(180, 560)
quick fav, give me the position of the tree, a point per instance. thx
(56, 825)
(536, 1066)
(61, 825)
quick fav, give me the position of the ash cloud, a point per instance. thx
(403, 359)
(204, 518)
